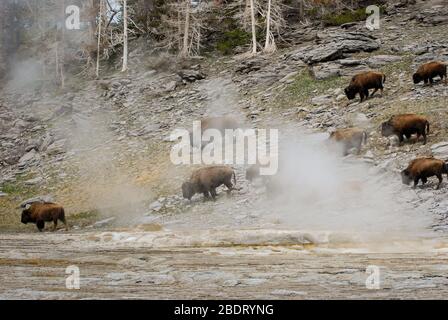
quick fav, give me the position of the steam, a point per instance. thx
(317, 189)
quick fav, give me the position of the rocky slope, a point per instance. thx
(103, 146)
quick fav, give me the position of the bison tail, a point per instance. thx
(234, 178)
(384, 79)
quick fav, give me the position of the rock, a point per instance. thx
(191, 75)
(322, 100)
(326, 70)
(440, 150)
(155, 206)
(29, 157)
(393, 141)
(334, 45)
(47, 198)
(47, 140)
(381, 60)
(103, 223)
(3, 194)
(34, 181)
(289, 76)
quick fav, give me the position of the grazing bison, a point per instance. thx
(430, 70)
(406, 125)
(349, 138)
(422, 169)
(362, 82)
(220, 123)
(39, 213)
(206, 180)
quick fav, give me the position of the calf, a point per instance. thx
(362, 82)
(422, 169)
(404, 125)
(206, 180)
(430, 70)
(349, 138)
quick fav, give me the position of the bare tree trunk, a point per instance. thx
(254, 36)
(125, 36)
(62, 53)
(184, 52)
(268, 28)
(100, 22)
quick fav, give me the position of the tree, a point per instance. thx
(184, 51)
(253, 25)
(98, 50)
(269, 45)
(125, 36)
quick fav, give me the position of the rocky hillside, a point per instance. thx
(101, 147)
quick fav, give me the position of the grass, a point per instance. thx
(346, 16)
(306, 87)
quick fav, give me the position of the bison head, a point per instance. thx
(26, 216)
(187, 190)
(406, 177)
(417, 78)
(350, 92)
(387, 129)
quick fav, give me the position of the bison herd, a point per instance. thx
(207, 179)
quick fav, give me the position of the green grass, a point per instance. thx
(347, 16)
(305, 86)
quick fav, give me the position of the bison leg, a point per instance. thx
(424, 180)
(206, 195)
(374, 91)
(40, 225)
(214, 194)
(55, 224)
(439, 176)
(229, 186)
(361, 95)
(416, 182)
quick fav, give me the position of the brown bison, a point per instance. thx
(220, 123)
(406, 125)
(206, 180)
(253, 172)
(362, 82)
(430, 70)
(349, 138)
(422, 169)
(40, 212)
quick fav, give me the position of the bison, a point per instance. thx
(220, 123)
(206, 180)
(428, 71)
(422, 169)
(39, 213)
(362, 82)
(349, 138)
(406, 125)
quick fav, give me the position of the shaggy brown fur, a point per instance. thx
(39, 213)
(430, 70)
(206, 180)
(349, 138)
(362, 82)
(253, 172)
(406, 125)
(422, 169)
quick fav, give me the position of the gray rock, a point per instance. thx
(334, 45)
(322, 100)
(103, 223)
(440, 150)
(34, 181)
(47, 198)
(381, 60)
(3, 194)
